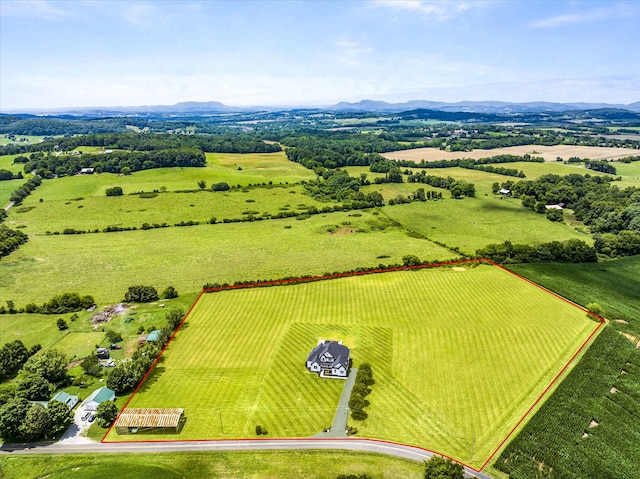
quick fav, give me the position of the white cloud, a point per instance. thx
(350, 53)
(40, 9)
(440, 10)
(587, 16)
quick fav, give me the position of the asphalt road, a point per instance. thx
(365, 445)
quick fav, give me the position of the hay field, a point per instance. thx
(549, 153)
(458, 356)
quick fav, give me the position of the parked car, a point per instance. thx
(86, 416)
(92, 418)
(115, 346)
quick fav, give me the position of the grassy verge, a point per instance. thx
(268, 464)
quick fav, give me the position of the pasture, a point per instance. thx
(98, 212)
(252, 168)
(104, 265)
(472, 223)
(458, 355)
(549, 153)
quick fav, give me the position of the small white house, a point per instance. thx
(97, 397)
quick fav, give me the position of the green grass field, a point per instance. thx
(104, 265)
(458, 356)
(472, 223)
(98, 212)
(197, 465)
(256, 168)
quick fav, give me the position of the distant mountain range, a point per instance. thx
(213, 107)
(478, 106)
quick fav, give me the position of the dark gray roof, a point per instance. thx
(339, 352)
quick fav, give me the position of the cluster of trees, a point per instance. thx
(127, 374)
(612, 213)
(334, 185)
(440, 468)
(339, 149)
(62, 303)
(10, 240)
(457, 188)
(599, 165)
(141, 294)
(13, 355)
(8, 175)
(25, 190)
(569, 251)
(40, 375)
(357, 401)
(122, 162)
(21, 420)
(146, 294)
(418, 195)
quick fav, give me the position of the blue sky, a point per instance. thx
(125, 53)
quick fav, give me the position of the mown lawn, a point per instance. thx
(104, 265)
(197, 465)
(458, 355)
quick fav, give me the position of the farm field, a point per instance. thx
(500, 338)
(630, 173)
(104, 265)
(549, 153)
(98, 212)
(255, 168)
(472, 223)
(196, 465)
(589, 426)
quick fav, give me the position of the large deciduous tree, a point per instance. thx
(50, 364)
(106, 413)
(440, 468)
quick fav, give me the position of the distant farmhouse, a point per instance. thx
(330, 359)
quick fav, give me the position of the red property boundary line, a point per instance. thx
(309, 279)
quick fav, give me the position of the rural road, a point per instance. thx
(364, 445)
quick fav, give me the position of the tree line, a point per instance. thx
(569, 251)
(10, 240)
(123, 162)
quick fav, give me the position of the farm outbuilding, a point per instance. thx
(66, 398)
(133, 420)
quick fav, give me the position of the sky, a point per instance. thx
(80, 53)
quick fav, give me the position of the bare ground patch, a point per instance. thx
(344, 231)
(549, 153)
